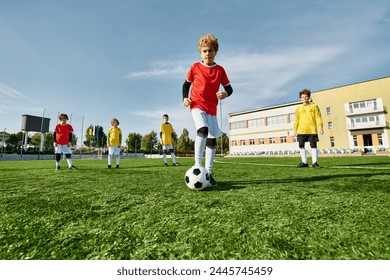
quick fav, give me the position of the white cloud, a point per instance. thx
(158, 70)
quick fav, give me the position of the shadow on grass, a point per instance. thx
(365, 164)
(240, 184)
(224, 186)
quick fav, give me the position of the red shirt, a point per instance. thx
(206, 81)
(62, 133)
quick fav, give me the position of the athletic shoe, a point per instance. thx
(302, 165)
(315, 165)
(72, 167)
(58, 167)
(117, 166)
(165, 164)
(175, 164)
(109, 166)
(212, 181)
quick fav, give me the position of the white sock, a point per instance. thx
(69, 160)
(210, 155)
(303, 155)
(165, 156)
(118, 159)
(200, 144)
(173, 157)
(314, 155)
(109, 158)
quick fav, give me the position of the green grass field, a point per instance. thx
(263, 208)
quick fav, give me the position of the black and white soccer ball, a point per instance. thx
(197, 178)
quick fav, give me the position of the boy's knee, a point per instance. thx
(67, 155)
(203, 131)
(211, 143)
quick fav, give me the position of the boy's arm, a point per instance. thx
(319, 121)
(296, 122)
(55, 138)
(223, 94)
(70, 138)
(228, 88)
(186, 92)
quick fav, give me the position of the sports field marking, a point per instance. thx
(289, 165)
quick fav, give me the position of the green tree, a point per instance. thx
(95, 136)
(184, 143)
(133, 141)
(36, 139)
(49, 140)
(149, 142)
(223, 142)
(15, 139)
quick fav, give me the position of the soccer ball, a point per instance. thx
(197, 178)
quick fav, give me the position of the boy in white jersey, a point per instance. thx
(114, 142)
(166, 140)
(205, 78)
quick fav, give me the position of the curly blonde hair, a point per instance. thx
(208, 40)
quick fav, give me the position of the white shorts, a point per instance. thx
(62, 149)
(113, 150)
(169, 147)
(202, 119)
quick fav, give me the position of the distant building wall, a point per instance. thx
(354, 116)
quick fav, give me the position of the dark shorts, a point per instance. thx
(311, 138)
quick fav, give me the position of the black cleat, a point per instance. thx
(315, 165)
(212, 181)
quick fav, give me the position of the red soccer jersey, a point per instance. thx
(62, 133)
(206, 81)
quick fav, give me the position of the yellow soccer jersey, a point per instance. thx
(166, 130)
(114, 137)
(308, 119)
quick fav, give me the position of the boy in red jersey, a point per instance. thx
(205, 78)
(63, 141)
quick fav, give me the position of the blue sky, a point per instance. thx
(96, 60)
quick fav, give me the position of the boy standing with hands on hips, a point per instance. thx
(204, 78)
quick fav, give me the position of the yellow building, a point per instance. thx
(354, 116)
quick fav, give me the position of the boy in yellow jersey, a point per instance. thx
(307, 120)
(114, 142)
(166, 140)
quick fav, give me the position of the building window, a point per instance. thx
(237, 125)
(328, 111)
(234, 143)
(295, 139)
(330, 125)
(251, 141)
(283, 139)
(355, 141)
(272, 140)
(292, 117)
(256, 122)
(242, 142)
(332, 142)
(275, 120)
(261, 141)
(369, 104)
(380, 140)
